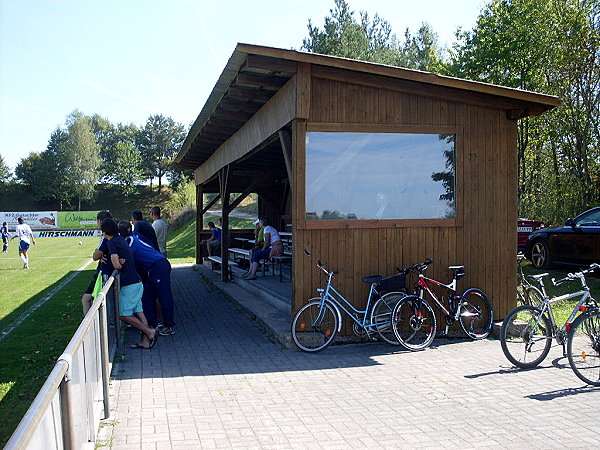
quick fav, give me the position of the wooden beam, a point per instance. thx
(286, 146)
(247, 93)
(242, 196)
(258, 80)
(265, 124)
(269, 64)
(239, 116)
(224, 192)
(303, 90)
(223, 124)
(232, 104)
(210, 204)
(199, 222)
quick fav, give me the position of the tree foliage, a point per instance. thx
(550, 46)
(5, 172)
(159, 141)
(372, 40)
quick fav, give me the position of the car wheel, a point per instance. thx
(540, 255)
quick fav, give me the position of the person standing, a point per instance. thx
(161, 228)
(25, 235)
(104, 266)
(155, 271)
(5, 234)
(130, 295)
(143, 229)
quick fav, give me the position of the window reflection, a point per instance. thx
(359, 176)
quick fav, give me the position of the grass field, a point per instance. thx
(31, 348)
(29, 351)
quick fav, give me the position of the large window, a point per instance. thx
(363, 176)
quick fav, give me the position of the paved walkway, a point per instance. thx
(220, 383)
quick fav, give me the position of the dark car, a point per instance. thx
(577, 242)
(524, 228)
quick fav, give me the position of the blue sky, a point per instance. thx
(128, 59)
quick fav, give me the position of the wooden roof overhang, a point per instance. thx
(262, 89)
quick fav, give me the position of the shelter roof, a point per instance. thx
(255, 73)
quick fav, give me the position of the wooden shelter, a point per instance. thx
(293, 127)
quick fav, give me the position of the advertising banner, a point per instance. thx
(74, 220)
(66, 233)
(40, 220)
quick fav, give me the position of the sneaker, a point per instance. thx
(166, 331)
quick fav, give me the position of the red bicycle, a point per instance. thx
(413, 319)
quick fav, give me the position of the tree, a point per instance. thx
(159, 142)
(82, 156)
(550, 46)
(372, 40)
(5, 173)
(127, 167)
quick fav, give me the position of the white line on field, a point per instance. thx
(50, 294)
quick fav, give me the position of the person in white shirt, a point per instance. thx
(25, 235)
(161, 228)
(272, 246)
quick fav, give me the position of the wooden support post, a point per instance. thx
(199, 218)
(223, 187)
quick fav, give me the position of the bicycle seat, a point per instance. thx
(372, 279)
(537, 277)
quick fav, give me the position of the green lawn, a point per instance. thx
(563, 309)
(29, 352)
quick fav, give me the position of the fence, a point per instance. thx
(67, 411)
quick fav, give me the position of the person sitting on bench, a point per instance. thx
(272, 246)
(213, 244)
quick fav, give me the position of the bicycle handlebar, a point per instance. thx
(420, 267)
(576, 275)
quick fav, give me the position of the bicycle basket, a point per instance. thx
(393, 283)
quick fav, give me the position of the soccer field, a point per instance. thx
(40, 310)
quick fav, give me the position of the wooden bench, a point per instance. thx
(286, 258)
(216, 261)
(240, 253)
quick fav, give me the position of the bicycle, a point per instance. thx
(583, 345)
(527, 331)
(413, 319)
(527, 293)
(317, 323)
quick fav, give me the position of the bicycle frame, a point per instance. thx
(547, 303)
(423, 286)
(331, 294)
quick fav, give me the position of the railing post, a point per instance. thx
(104, 359)
(66, 409)
(116, 290)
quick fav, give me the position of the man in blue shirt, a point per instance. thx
(155, 271)
(143, 229)
(213, 244)
(130, 295)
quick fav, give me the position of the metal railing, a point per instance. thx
(67, 410)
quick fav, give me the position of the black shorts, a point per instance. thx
(90, 288)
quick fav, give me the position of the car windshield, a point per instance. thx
(589, 220)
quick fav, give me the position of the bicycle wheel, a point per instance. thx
(413, 322)
(381, 316)
(583, 347)
(315, 326)
(534, 296)
(475, 314)
(526, 336)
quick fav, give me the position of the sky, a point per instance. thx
(129, 59)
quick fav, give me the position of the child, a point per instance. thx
(5, 235)
(130, 295)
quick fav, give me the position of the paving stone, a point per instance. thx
(221, 383)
